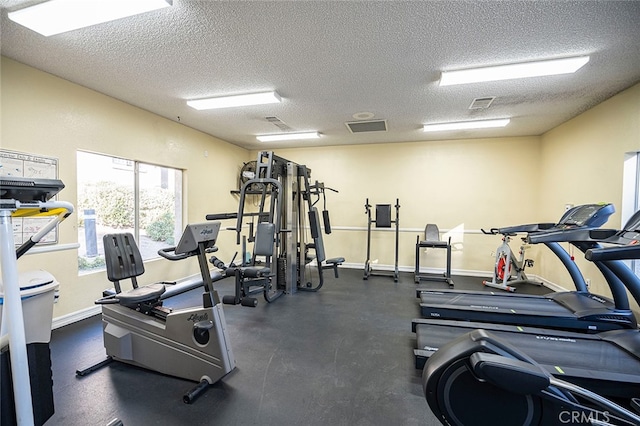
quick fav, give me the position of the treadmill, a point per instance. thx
(607, 363)
(572, 310)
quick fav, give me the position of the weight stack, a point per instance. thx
(281, 274)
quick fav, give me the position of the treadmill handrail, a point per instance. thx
(630, 251)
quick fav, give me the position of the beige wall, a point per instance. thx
(46, 115)
(582, 162)
(460, 184)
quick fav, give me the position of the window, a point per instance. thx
(631, 194)
(119, 195)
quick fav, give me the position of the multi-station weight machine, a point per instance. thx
(281, 191)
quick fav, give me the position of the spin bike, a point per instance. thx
(508, 267)
(190, 343)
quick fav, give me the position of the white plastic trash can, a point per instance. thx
(38, 291)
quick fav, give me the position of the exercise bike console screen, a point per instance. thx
(198, 233)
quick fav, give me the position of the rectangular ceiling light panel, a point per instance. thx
(288, 136)
(513, 71)
(466, 125)
(59, 16)
(235, 101)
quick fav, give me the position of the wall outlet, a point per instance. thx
(587, 281)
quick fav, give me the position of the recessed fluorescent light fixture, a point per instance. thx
(512, 71)
(288, 136)
(235, 101)
(59, 16)
(466, 125)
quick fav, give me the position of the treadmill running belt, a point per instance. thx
(539, 305)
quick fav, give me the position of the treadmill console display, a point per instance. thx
(633, 224)
(587, 215)
(28, 190)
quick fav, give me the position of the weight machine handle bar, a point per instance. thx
(221, 216)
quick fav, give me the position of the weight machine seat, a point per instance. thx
(248, 271)
(432, 240)
(333, 263)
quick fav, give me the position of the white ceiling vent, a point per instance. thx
(367, 126)
(481, 103)
(278, 123)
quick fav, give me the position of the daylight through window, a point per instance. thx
(119, 195)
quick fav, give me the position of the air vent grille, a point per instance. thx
(367, 126)
(481, 103)
(278, 123)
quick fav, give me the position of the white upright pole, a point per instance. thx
(15, 326)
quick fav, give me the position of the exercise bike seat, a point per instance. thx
(146, 294)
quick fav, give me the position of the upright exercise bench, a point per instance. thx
(432, 240)
(382, 220)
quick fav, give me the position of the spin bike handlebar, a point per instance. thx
(496, 231)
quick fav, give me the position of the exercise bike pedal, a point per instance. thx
(201, 331)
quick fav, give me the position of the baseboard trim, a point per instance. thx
(75, 316)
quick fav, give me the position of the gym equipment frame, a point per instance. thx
(32, 394)
(607, 363)
(190, 343)
(382, 220)
(478, 376)
(281, 191)
(577, 310)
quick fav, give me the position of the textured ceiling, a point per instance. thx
(330, 60)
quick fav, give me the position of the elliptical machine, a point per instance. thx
(479, 379)
(190, 343)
